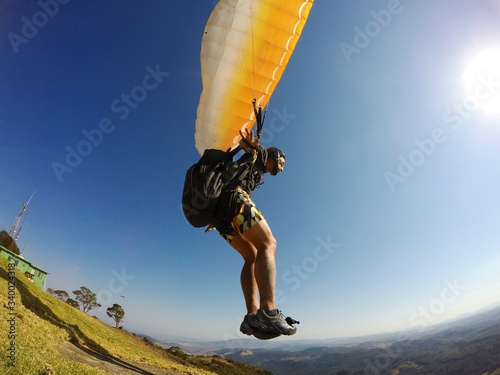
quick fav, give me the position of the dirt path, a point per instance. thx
(108, 363)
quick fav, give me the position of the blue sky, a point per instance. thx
(387, 216)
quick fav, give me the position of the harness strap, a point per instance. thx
(258, 117)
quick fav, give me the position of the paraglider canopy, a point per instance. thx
(245, 49)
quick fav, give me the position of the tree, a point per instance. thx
(8, 242)
(116, 313)
(61, 294)
(73, 303)
(87, 299)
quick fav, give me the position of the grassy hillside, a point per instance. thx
(42, 323)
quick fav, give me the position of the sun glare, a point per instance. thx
(482, 81)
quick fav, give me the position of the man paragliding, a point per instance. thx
(246, 230)
(245, 48)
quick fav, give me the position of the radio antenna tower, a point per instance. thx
(14, 231)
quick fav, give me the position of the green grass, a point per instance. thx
(42, 322)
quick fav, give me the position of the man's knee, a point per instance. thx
(272, 244)
(245, 248)
(250, 255)
(268, 246)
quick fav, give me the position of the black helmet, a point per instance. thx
(275, 153)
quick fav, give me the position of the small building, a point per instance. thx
(34, 274)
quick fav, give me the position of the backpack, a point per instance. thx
(204, 183)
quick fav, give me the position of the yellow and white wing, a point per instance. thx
(245, 49)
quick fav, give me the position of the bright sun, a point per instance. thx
(482, 81)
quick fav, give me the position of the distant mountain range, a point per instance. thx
(469, 345)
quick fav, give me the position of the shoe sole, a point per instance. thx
(276, 330)
(248, 330)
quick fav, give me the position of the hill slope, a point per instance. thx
(42, 335)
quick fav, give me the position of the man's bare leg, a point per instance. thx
(247, 278)
(262, 239)
(271, 323)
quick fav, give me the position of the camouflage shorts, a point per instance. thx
(246, 216)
